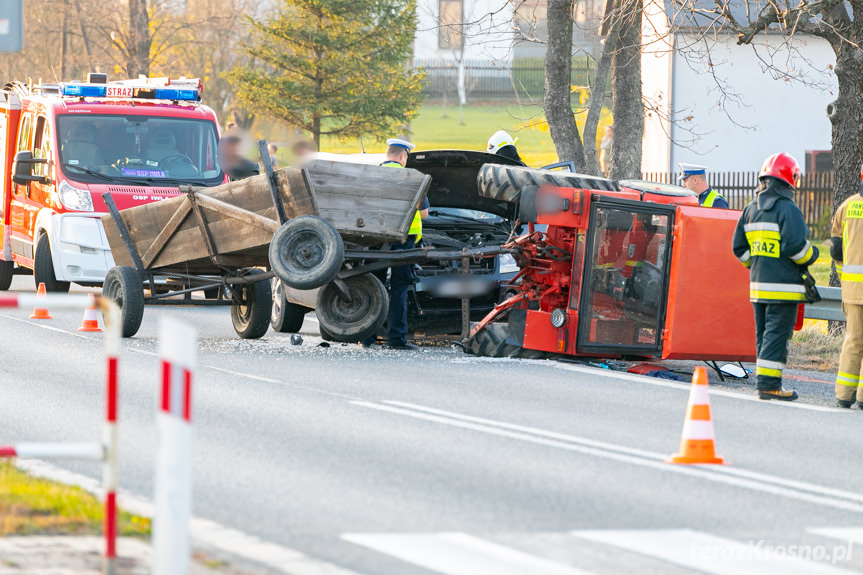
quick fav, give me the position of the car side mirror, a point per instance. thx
(22, 168)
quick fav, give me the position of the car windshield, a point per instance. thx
(138, 149)
(461, 213)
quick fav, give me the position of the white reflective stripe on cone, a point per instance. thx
(698, 429)
(699, 396)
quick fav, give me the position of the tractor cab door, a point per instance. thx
(625, 278)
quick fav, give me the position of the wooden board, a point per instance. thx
(186, 246)
(367, 204)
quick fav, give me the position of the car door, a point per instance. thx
(20, 209)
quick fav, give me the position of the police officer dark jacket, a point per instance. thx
(770, 239)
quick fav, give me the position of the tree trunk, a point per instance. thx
(84, 37)
(594, 107)
(64, 40)
(558, 74)
(628, 109)
(138, 61)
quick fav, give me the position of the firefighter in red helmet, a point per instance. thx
(771, 240)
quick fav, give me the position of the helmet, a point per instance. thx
(498, 140)
(782, 167)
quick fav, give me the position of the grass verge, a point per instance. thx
(34, 506)
(814, 348)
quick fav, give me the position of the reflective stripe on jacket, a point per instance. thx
(771, 240)
(848, 224)
(416, 228)
(713, 199)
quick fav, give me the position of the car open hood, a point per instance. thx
(454, 174)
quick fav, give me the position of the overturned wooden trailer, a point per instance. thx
(308, 227)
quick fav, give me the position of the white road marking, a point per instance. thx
(632, 377)
(628, 455)
(459, 554)
(711, 554)
(772, 479)
(203, 531)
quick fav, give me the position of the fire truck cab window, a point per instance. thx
(138, 149)
(625, 278)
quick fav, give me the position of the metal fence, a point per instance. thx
(814, 196)
(485, 79)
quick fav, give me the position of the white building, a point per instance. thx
(464, 30)
(728, 106)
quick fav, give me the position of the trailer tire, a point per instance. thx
(286, 316)
(7, 272)
(123, 286)
(250, 310)
(355, 320)
(307, 252)
(43, 267)
(505, 183)
(494, 341)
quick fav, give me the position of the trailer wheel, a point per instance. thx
(505, 183)
(355, 319)
(286, 317)
(123, 286)
(43, 267)
(494, 341)
(250, 311)
(7, 271)
(307, 252)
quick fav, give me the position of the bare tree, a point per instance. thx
(627, 106)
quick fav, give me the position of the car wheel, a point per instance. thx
(123, 286)
(250, 312)
(43, 267)
(285, 317)
(7, 271)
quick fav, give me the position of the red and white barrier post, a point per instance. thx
(173, 499)
(107, 451)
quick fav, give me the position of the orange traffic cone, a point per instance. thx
(41, 312)
(91, 318)
(697, 441)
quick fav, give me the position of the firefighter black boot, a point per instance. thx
(780, 394)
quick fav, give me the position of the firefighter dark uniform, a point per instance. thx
(401, 277)
(847, 250)
(771, 240)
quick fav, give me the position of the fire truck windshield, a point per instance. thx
(143, 150)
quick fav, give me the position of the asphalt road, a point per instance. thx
(384, 462)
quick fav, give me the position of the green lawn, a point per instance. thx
(820, 270)
(439, 128)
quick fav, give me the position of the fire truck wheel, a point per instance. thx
(43, 268)
(494, 341)
(307, 252)
(505, 183)
(354, 319)
(7, 270)
(250, 312)
(286, 317)
(123, 286)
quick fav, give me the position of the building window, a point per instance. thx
(450, 22)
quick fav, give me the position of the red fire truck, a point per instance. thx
(64, 145)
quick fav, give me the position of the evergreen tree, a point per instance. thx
(334, 67)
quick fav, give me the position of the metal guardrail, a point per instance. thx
(830, 306)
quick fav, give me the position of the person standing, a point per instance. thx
(502, 144)
(401, 277)
(771, 240)
(694, 178)
(846, 249)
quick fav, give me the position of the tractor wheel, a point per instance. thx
(307, 252)
(123, 286)
(43, 267)
(495, 341)
(7, 272)
(250, 312)
(286, 317)
(505, 183)
(352, 320)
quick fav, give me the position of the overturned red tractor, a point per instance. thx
(616, 270)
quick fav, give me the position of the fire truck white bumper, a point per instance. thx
(79, 248)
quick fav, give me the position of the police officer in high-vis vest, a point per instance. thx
(401, 277)
(846, 249)
(771, 240)
(694, 179)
